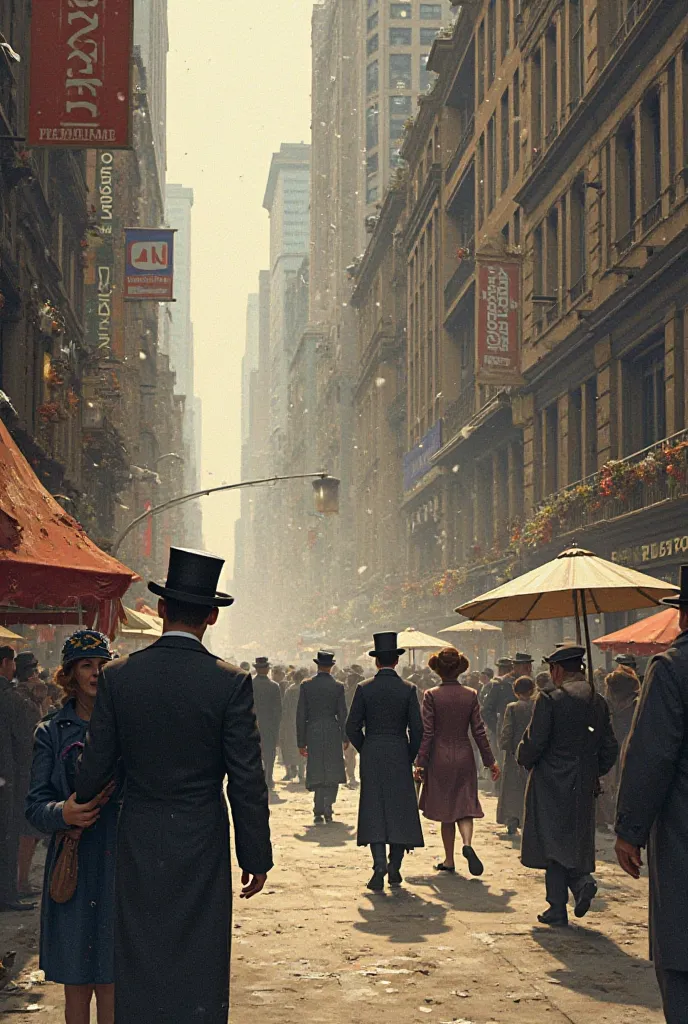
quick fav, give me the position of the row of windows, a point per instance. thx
(496, 169)
(496, 34)
(399, 36)
(428, 12)
(400, 73)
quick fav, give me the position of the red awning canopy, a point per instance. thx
(50, 570)
(649, 636)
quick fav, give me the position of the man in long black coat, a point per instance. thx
(180, 720)
(386, 728)
(652, 810)
(568, 745)
(267, 698)
(321, 735)
(499, 695)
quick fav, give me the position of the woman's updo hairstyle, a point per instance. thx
(448, 663)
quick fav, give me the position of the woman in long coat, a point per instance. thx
(77, 937)
(514, 778)
(445, 762)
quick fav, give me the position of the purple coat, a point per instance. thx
(450, 789)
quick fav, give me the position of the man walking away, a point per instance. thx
(321, 735)
(568, 745)
(652, 809)
(180, 720)
(268, 704)
(386, 728)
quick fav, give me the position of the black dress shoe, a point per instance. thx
(377, 882)
(394, 875)
(328, 819)
(16, 907)
(318, 819)
(554, 917)
(585, 897)
(475, 865)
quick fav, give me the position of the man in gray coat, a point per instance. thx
(652, 809)
(568, 745)
(267, 698)
(179, 720)
(386, 728)
(321, 735)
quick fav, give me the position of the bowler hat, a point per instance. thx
(262, 663)
(679, 600)
(386, 643)
(24, 661)
(626, 659)
(504, 663)
(192, 577)
(324, 658)
(522, 659)
(572, 653)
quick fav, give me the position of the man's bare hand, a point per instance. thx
(629, 857)
(252, 885)
(303, 751)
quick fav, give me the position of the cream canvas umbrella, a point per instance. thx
(573, 584)
(414, 640)
(7, 634)
(472, 627)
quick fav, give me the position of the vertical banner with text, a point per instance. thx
(149, 265)
(498, 319)
(80, 74)
(99, 279)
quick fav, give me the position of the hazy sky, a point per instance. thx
(239, 85)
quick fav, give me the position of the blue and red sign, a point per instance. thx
(149, 269)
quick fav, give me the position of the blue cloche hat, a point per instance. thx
(85, 643)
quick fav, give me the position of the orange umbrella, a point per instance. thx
(649, 636)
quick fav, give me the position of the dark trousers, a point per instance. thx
(269, 751)
(9, 851)
(674, 988)
(323, 798)
(379, 851)
(559, 880)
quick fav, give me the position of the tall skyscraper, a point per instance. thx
(151, 36)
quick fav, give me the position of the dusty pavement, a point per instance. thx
(318, 947)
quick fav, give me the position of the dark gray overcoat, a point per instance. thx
(321, 726)
(181, 720)
(568, 745)
(386, 728)
(267, 698)
(514, 778)
(18, 719)
(288, 744)
(652, 808)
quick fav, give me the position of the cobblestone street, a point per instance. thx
(318, 946)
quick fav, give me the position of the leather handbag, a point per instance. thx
(64, 875)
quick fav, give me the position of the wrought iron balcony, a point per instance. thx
(461, 275)
(626, 242)
(652, 216)
(578, 289)
(633, 15)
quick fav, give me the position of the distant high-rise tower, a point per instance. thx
(151, 36)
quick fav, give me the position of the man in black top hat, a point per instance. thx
(522, 665)
(652, 808)
(267, 698)
(180, 720)
(321, 735)
(385, 726)
(568, 745)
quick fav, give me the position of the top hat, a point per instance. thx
(522, 659)
(386, 643)
(262, 663)
(679, 600)
(324, 658)
(626, 659)
(572, 653)
(192, 577)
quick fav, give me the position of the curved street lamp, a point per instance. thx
(326, 495)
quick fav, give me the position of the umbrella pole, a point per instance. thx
(587, 639)
(577, 615)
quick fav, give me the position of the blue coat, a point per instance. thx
(77, 938)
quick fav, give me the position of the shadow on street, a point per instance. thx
(335, 834)
(401, 916)
(461, 893)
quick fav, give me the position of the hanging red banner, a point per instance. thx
(80, 75)
(498, 321)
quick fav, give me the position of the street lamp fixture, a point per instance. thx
(326, 495)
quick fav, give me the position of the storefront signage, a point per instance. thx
(99, 279)
(498, 321)
(80, 75)
(149, 270)
(417, 462)
(655, 551)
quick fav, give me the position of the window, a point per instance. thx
(504, 130)
(671, 124)
(538, 275)
(400, 105)
(372, 167)
(396, 128)
(578, 240)
(650, 371)
(480, 61)
(481, 181)
(504, 28)
(372, 126)
(575, 437)
(491, 164)
(576, 53)
(373, 21)
(651, 151)
(426, 77)
(625, 187)
(431, 12)
(552, 278)
(372, 78)
(400, 11)
(372, 44)
(552, 85)
(491, 19)
(428, 36)
(400, 71)
(517, 227)
(536, 101)
(400, 36)
(551, 453)
(590, 426)
(516, 118)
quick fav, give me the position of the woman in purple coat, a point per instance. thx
(445, 763)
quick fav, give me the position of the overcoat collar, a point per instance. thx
(179, 643)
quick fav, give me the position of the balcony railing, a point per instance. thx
(626, 242)
(652, 216)
(552, 133)
(646, 478)
(577, 289)
(466, 137)
(635, 10)
(461, 275)
(471, 400)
